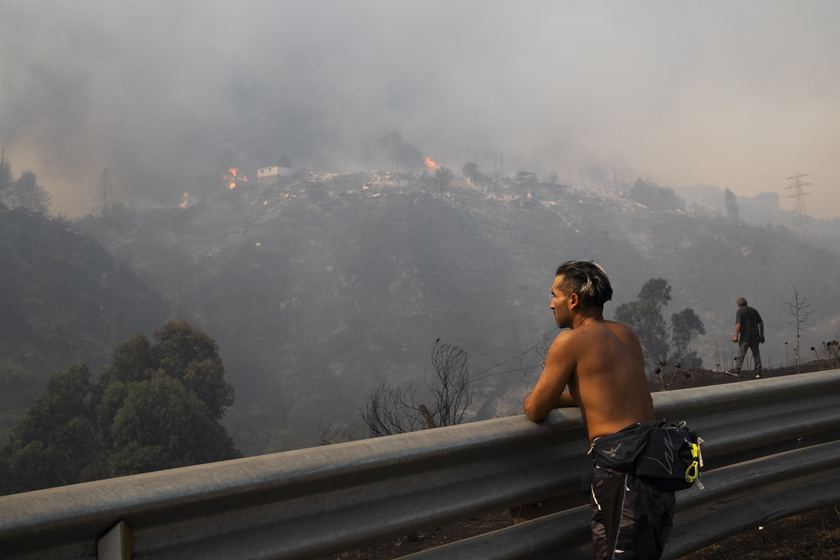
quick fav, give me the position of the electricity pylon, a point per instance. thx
(799, 222)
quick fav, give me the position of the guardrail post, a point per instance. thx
(115, 544)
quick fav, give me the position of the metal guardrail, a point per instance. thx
(772, 449)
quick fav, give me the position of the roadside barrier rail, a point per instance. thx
(772, 449)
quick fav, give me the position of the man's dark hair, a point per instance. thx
(588, 280)
(741, 302)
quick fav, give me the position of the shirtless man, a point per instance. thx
(601, 363)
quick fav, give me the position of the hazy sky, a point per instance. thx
(168, 94)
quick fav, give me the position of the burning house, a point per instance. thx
(233, 178)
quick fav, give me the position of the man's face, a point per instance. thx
(560, 304)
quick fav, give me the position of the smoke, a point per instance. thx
(168, 95)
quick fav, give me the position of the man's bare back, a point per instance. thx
(602, 365)
(600, 361)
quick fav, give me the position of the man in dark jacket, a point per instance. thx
(749, 333)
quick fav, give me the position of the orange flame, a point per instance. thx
(430, 164)
(233, 177)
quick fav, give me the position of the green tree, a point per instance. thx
(56, 440)
(155, 406)
(685, 327)
(177, 386)
(656, 291)
(162, 424)
(188, 355)
(131, 361)
(645, 316)
(25, 193)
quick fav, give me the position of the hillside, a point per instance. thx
(322, 287)
(64, 299)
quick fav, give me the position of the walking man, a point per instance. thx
(749, 333)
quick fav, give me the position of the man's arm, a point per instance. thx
(737, 332)
(549, 392)
(566, 399)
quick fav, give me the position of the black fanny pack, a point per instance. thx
(664, 454)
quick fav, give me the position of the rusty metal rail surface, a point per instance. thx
(772, 450)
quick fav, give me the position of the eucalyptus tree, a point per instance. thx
(156, 405)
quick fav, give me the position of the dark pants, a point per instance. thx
(742, 352)
(631, 520)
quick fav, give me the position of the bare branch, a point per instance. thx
(393, 410)
(798, 309)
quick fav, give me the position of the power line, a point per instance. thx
(524, 368)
